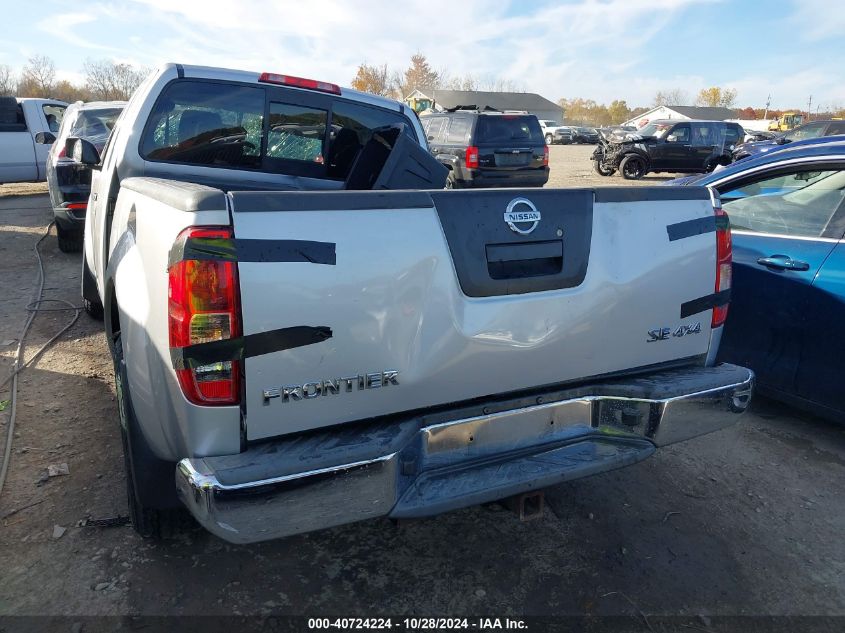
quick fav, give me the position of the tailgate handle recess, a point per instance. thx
(521, 260)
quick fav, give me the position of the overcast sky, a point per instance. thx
(599, 49)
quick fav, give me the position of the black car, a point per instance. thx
(676, 146)
(70, 182)
(483, 148)
(585, 135)
(813, 129)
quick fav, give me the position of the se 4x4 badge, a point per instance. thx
(665, 333)
(522, 216)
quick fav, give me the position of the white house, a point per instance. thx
(682, 112)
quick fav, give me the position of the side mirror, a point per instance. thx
(45, 138)
(82, 151)
(671, 139)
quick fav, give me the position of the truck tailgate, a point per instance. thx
(358, 305)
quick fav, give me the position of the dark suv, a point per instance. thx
(488, 149)
(678, 146)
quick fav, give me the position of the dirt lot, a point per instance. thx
(747, 521)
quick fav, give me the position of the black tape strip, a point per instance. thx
(691, 228)
(180, 71)
(245, 250)
(286, 251)
(248, 346)
(705, 303)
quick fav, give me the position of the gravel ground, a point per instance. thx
(746, 521)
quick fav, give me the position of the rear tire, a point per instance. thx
(451, 181)
(549, 139)
(147, 477)
(90, 300)
(632, 167)
(69, 241)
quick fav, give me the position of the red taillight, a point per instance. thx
(723, 263)
(203, 307)
(62, 153)
(545, 156)
(299, 82)
(77, 205)
(472, 157)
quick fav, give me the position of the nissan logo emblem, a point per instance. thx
(522, 216)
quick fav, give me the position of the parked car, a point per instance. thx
(69, 182)
(563, 135)
(585, 135)
(814, 129)
(752, 136)
(550, 129)
(488, 149)
(668, 145)
(787, 213)
(28, 128)
(293, 352)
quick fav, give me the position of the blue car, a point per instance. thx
(811, 130)
(787, 213)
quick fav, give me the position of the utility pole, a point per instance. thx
(809, 107)
(768, 103)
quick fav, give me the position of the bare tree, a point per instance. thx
(109, 81)
(38, 76)
(675, 96)
(8, 84)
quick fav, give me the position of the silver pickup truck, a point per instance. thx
(298, 350)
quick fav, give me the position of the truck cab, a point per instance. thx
(28, 128)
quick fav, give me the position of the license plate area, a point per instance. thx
(510, 159)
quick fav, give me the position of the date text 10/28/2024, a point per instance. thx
(417, 624)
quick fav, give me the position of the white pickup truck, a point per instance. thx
(299, 355)
(28, 128)
(554, 132)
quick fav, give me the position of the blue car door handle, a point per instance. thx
(783, 262)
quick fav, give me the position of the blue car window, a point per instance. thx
(799, 204)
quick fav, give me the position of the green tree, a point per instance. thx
(618, 111)
(420, 75)
(716, 96)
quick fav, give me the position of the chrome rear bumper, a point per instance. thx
(425, 465)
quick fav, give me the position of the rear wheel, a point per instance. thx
(69, 241)
(549, 139)
(451, 181)
(90, 299)
(154, 510)
(632, 167)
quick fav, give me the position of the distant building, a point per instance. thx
(518, 101)
(682, 112)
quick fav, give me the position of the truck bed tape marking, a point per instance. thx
(691, 228)
(194, 356)
(286, 251)
(705, 303)
(246, 250)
